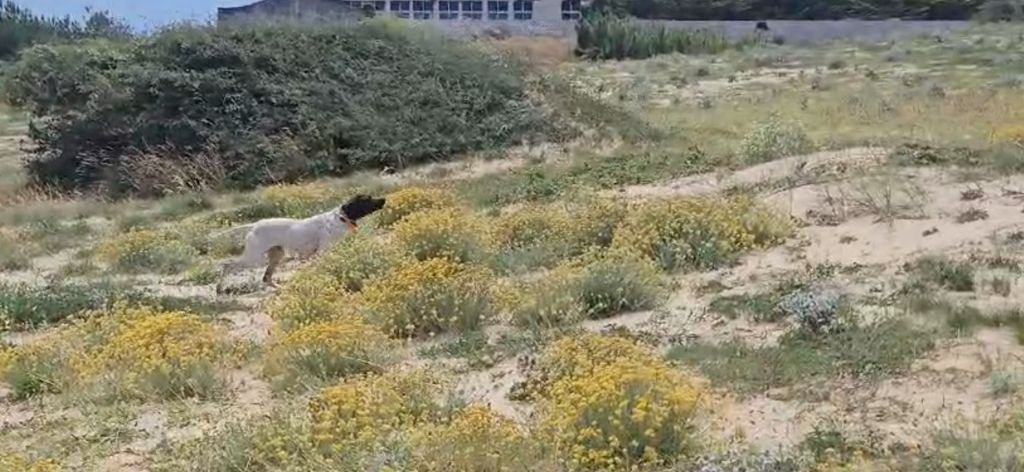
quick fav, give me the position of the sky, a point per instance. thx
(141, 14)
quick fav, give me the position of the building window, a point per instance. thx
(422, 10)
(570, 9)
(497, 10)
(358, 5)
(401, 8)
(447, 10)
(473, 10)
(522, 9)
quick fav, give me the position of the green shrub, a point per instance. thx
(858, 350)
(597, 285)
(23, 305)
(277, 102)
(943, 272)
(774, 139)
(602, 36)
(14, 254)
(141, 251)
(1000, 10)
(26, 305)
(20, 28)
(53, 235)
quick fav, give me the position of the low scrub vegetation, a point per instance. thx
(146, 251)
(863, 350)
(328, 350)
(595, 286)
(773, 139)
(125, 351)
(21, 28)
(406, 201)
(430, 297)
(153, 131)
(150, 353)
(602, 36)
(698, 233)
(24, 305)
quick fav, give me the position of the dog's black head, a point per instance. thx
(361, 205)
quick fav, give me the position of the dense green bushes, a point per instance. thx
(253, 104)
(19, 28)
(602, 36)
(793, 9)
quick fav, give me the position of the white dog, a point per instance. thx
(274, 237)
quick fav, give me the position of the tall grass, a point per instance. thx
(601, 36)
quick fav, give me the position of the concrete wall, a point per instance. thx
(547, 22)
(794, 32)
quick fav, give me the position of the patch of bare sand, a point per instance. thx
(948, 387)
(687, 318)
(248, 325)
(781, 170)
(865, 240)
(858, 237)
(250, 396)
(492, 386)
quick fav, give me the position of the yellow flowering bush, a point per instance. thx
(281, 441)
(358, 258)
(18, 463)
(1013, 134)
(595, 220)
(409, 200)
(622, 415)
(476, 439)
(296, 200)
(430, 297)
(578, 356)
(371, 408)
(545, 302)
(699, 232)
(43, 365)
(451, 233)
(532, 236)
(277, 440)
(142, 250)
(149, 352)
(599, 284)
(531, 225)
(541, 235)
(328, 350)
(30, 369)
(309, 296)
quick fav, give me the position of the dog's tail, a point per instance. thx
(233, 230)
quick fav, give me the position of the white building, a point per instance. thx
(435, 10)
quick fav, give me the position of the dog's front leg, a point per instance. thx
(225, 269)
(274, 257)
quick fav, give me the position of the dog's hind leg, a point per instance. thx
(251, 257)
(274, 257)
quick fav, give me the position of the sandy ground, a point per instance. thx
(950, 384)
